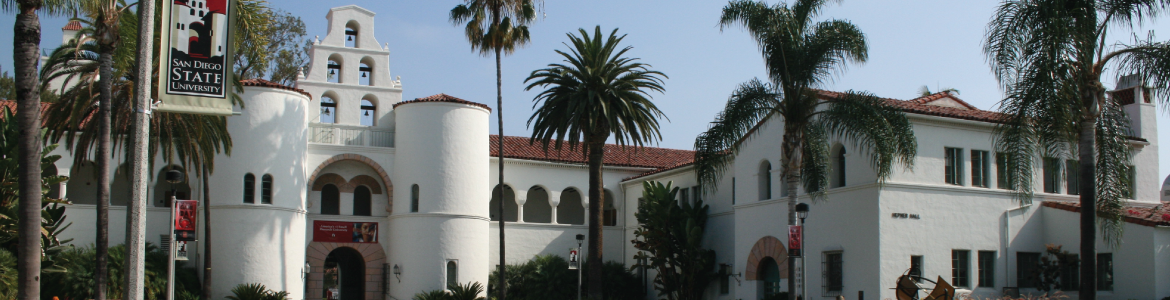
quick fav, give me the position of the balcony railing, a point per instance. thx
(350, 135)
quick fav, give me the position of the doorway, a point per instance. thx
(345, 275)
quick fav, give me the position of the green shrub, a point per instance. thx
(75, 281)
(549, 277)
(458, 291)
(256, 291)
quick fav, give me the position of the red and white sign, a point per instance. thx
(345, 232)
(795, 237)
(573, 259)
(185, 220)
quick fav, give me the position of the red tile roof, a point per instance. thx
(1145, 215)
(11, 105)
(72, 25)
(269, 84)
(921, 106)
(620, 156)
(444, 98)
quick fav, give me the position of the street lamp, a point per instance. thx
(802, 212)
(580, 239)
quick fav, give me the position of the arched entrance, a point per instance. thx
(768, 263)
(358, 268)
(344, 275)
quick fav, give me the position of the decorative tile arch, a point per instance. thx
(372, 255)
(767, 246)
(365, 160)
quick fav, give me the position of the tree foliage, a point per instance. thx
(276, 47)
(256, 291)
(670, 241)
(457, 291)
(549, 277)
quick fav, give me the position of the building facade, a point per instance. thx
(339, 189)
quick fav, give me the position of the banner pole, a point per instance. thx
(171, 253)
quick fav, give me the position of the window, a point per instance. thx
(368, 113)
(987, 268)
(832, 271)
(684, 195)
(361, 201)
(1072, 172)
(1130, 183)
(328, 110)
(980, 166)
(266, 189)
(839, 168)
(414, 198)
(961, 268)
(765, 176)
(249, 188)
(334, 74)
(916, 268)
(452, 273)
(1104, 271)
(330, 200)
(366, 77)
(696, 194)
(954, 168)
(733, 191)
(609, 211)
(724, 279)
(350, 37)
(1051, 175)
(1027, 266)
(1070, 273)
(1003, 178)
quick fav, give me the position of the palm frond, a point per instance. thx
(873, 127)
(814, 166)
(750, 103)
(484, 34)
(1113, 167)
(1150, 61)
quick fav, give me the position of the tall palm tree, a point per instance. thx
(26, 53)
(801, 55)
(497, 26)
(594, 95)
(1049, 56)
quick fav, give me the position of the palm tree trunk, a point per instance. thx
(1088, 186)
(596, 197)
(791, 173)
(106, 65)
(503, 282)
(207, 237)
(792, 182)
(26, 44)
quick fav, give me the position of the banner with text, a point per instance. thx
(185, 219)
(196, 57)
(794, 240)
(345, 232)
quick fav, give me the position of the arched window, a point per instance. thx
(351, 34)
(328, 110)
(366, 77)
(334, 74)
(330, 200)
(571, 209)
(361, 201)
(249, 188)
(266, 189)
(414, 198)
(839, 167)
(452, 274)
(537, 209)
(368, 113)
(765, 177)
(609, 211)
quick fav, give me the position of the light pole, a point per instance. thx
(801, 213)
(172, 176)
(580, 239)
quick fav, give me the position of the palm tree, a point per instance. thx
(595, 94)
(801, 55)
(497, 26)
(1049, 56)
(925, 91)
(26, 53)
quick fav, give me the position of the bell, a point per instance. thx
(325, 111)
(363, 74)
(367, 113)
(332, 71)
(350, 38)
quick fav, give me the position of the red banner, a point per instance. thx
(185, 219)
(345, 232)
(795, 237)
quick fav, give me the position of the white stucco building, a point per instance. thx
(409, 184)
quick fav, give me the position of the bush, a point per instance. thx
(549, 277)
(256, 291)
(458, 291)
(78, 263)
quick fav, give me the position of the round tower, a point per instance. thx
(439, 223)
(258, 193)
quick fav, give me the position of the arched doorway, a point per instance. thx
(767, 264)
(365, 262)
(769, 277)
(344, 275)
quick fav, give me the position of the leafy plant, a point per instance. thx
(1052, 267)
(670, 239)
(77, 281)
(457, 291)
(549, 277)
(256, 291)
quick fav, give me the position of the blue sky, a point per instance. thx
(911, 43)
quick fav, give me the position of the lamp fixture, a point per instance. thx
(802, 211)
(174, 176)
(398, 273)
